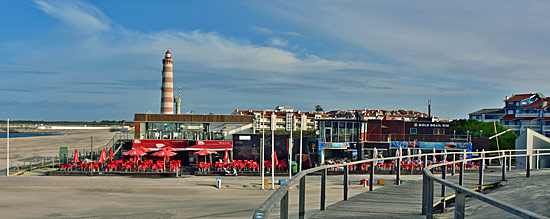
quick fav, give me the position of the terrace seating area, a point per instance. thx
(129, 165)
(405, 166)
(240, 166)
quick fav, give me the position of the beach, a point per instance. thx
(27, 149)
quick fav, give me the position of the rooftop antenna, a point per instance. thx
(177, 100)
(429, 108)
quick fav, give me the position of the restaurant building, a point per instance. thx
(189, 133)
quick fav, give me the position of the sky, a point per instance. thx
(102, 60)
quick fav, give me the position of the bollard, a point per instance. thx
(219, 183)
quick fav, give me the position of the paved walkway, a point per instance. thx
(403, 201)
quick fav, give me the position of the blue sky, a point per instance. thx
(96, 60)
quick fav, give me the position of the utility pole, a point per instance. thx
(273, 125)
(290, 145)
(262, 151)
(8, 149)
(301, 128)
(91, 155)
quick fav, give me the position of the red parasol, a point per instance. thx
(168, 148)
(76, 159)
(226, 156)
(144, 149)
(205, 152)
(135, 153)
(111, 154)
(165, 154)
(103, 155)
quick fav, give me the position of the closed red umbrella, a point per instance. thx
(276, 161)
(103, 155)
(111, 154)
(76, 159)
(226, 156)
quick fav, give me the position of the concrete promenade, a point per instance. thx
(404, 201)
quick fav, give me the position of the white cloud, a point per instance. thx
(277, 42)
(84, 17)
(268, 31)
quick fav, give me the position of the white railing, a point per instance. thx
(527, 115)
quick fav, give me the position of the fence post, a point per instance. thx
(461, 174)
(510, 162)
(371, 176)
(504, 167)
(346, 173)
(424, 191)
(481, 166)
(284, 206)
(429, 198)
(528, 169)
(425, 161)
(443, 176)
(538, 163)
(460, 205)
(302, 199)
(453, 167)
(323, 189)
(398, 173)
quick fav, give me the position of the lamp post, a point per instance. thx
(8, 148)
(273, 149)
(290, 145)
(91, 155)
(301, 128)
(262, 151)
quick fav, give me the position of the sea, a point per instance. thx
(22, 135)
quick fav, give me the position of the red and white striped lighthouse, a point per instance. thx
(167, 96)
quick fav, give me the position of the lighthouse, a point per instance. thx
(167, 95)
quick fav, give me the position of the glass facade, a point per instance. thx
(188, 131)
(338, 131)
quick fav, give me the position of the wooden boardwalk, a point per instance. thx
(401, 201)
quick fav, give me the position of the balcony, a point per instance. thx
(514, 127)
(527, 115)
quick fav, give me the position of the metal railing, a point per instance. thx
(461, 192)
(281, 195)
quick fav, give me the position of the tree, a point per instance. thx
(506, 141)
(319, 108)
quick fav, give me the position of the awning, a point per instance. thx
(211, 145)
(156, 144)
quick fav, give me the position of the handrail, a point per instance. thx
(281, 194)
(518, 211)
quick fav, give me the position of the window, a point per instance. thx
(439, 131)
(413, 131)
